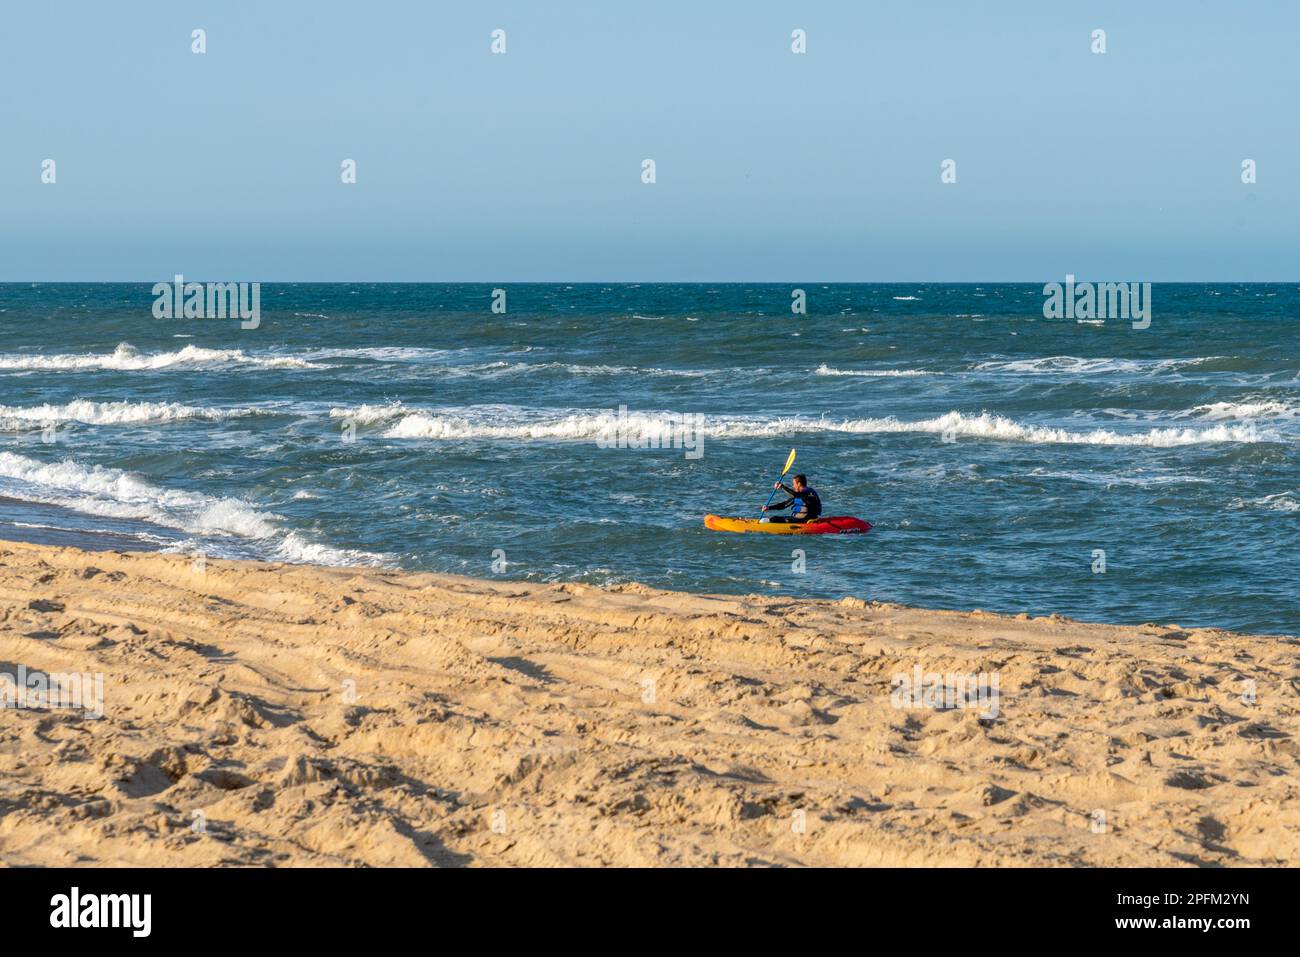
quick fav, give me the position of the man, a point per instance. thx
(807, 505)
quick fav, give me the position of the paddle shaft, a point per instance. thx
(772, 496)
(789, 463)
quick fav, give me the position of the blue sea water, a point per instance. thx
(996, 452)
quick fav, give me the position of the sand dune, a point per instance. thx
(290, 715)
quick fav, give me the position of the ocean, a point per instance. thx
(1007, 461)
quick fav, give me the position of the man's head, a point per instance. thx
(800, 482)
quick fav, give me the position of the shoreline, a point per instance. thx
(43, 523)
(269, 714)
(102, 534)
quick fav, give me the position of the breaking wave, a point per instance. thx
(88, 412)
(127, 358)
(97, 490)
(524, 424)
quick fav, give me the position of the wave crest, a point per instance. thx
(513, 423)
(127, 358)
(97, 490)
(88, 412)
(824, 369)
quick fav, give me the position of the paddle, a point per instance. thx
(788, 463)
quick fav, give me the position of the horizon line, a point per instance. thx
(653, 282)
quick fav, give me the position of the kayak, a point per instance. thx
(833, 525)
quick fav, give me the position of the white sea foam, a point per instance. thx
(421, 425)
(824, 369)
(653, 371)
(382, 353)
(1281, 502)
(495, 368)
(500, 368)
(509, 423)
(127, 358)
(513, 423)
(13, 417)
(369, 414)
(1109, 479)
(999, 428)
(96, 490)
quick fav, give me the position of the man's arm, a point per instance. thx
(780, 505)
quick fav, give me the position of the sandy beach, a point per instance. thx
(259, 714)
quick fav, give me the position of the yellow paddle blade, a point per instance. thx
(788, 462)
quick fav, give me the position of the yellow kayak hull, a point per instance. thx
(833, 525)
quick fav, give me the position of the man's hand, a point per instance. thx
(776, 485)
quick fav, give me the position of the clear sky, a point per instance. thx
(771, 165)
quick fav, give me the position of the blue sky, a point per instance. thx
(771, 165)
